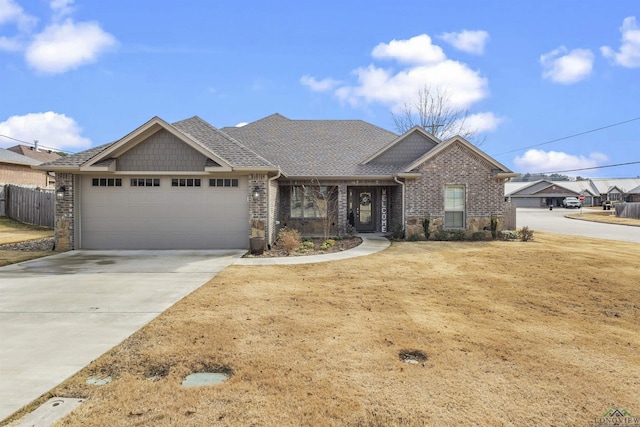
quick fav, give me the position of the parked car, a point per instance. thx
(571, 202)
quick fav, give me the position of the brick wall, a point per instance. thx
(64, 214)
(22, 175)
(457, 165)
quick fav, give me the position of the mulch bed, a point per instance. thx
(341, 245)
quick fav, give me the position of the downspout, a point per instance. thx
(272, 222)
(395, 178)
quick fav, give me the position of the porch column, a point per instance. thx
(342, 209)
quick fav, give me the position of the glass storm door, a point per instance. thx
(364, 202)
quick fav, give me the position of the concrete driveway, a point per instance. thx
(59, 313)
(555, 221)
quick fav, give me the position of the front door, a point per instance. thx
(364, 202)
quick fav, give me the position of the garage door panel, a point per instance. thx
(164, 217)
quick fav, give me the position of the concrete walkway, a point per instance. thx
(59, 313)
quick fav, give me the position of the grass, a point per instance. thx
(537, 333)
(12, 231)
(608, 217)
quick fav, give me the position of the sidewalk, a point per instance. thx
(371, 243)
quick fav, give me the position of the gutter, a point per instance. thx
(269, 181)
(395, 178)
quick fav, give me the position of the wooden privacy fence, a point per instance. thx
(29, 205)
(628, 210)
(509, 216)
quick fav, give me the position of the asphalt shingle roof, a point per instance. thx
(41, 155)
(221, 144)
(316, 147)
(7, 156)
(75, 160)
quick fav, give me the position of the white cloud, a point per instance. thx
(318, 85)
(12, 13)
(481, 122)
(551, 161)
(50, 129)
(463, 86)
(467, 41)
(562, 66)
(629, 54)
(416, 50)
(66, 46)
(61, 8)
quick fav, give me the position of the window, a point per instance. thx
(454, 206)
(220, 182)
(106, 182)
(185, 182)
(308, 202)
(145, 182)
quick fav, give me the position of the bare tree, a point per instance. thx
(325, 203)
(433, 111)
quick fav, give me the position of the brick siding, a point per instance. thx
(22, 175)
(457, 165)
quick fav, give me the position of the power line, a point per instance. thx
(568, 137)
(32, 144)
(586, 169)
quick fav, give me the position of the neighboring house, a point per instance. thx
(545, 193)
(188, 185)
(16, 169)
(43, 156)
(614, 189)
(634, 195)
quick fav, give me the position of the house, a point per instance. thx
(614, 189)
(189, 185)
(43, 156)
(544, 193)
(16, 169)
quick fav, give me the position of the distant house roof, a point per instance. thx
(10, 157)
(43, 156)
(603, 185)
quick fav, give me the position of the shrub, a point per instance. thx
(397, 233)
(414, 237)
(525, 234)
(327, 244)
(494, 226)
(451, 235)
(425, 226)
(508, 234)
(441, 235)
(306, 245)
(483, 235)
(288, 239)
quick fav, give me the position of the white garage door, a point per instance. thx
(150, 212)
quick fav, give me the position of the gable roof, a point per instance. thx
(40, 155)
(316, 148)
(426, 138)
(501, 170)
(603, 185)
(10, 157)
(220, 149)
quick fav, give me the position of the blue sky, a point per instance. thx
(76, 74)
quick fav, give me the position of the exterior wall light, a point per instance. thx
(60, 192)
(256, 193)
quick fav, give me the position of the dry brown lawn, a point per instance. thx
(608, 217)
(12, 232)
(539, 333)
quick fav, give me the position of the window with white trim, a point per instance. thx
(454, 206)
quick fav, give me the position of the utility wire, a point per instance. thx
(32, 144)
(568, 137)
(586, 169)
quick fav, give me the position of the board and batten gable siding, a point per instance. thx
(164, 152)
(410, 148)
(456, 165)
